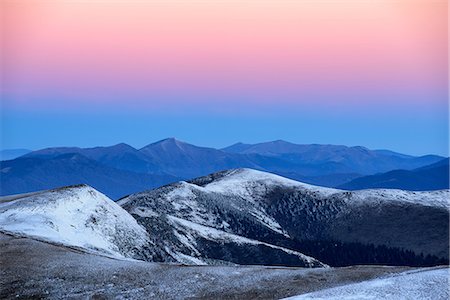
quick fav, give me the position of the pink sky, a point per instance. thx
(300, 52)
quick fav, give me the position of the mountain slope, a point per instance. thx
(192, 228)
(328, 224)
(28, 174)
(432, 177)
(76, 216)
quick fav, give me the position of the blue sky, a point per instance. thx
(402, 130)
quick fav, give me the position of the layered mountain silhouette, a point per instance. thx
(431, 177)
(332, 159)
(120, 170)
(29, 174)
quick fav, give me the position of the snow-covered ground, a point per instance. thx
(224, 237)
(410, 285)
(429, 198)
(34, 270)
(76, 216)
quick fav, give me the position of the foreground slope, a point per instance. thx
(33, 269)
(77, 216)
(416, 284)
(199, 218)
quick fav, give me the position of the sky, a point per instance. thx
(213, 72)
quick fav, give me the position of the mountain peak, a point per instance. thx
(168, 141)
(122, 146)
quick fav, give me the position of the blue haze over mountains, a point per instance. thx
(120, 170)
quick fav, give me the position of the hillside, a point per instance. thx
(386, 226)
(76, 216)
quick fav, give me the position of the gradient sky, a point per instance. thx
(215, 72)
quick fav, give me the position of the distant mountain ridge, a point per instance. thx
(356, 159)
(8, 154)
(29, 174)
(431, 177)
(130, 169)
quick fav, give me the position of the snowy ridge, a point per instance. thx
(77, 216)
(248, 182)
(251, 184)
(431, 198)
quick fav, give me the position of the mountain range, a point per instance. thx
(120, 170)
(431, 177)
(240, 216)
(76, 242)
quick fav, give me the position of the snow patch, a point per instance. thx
(213, 234)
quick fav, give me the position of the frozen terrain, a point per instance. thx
(430, 284)
(77, 216)
(34, 269)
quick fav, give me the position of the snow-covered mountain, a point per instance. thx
(241, 216)
(196, 226)
(81, 217)
(77, 216)
(213, 217)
